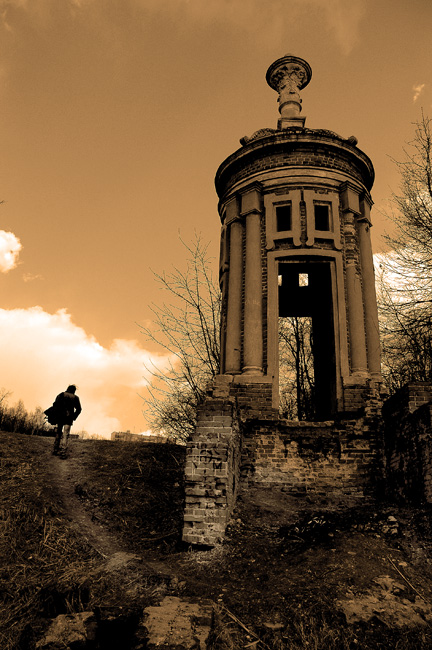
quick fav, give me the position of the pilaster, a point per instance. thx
(234, 307)
(369, 292)
(253, 326)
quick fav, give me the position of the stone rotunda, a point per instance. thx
(295, 206)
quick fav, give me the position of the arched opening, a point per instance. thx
(307, 366)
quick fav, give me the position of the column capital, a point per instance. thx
(350, 198)
(250, 198)
(366, 204)
(231, 210)
(255, 186)
(367, 199)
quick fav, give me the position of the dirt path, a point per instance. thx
(67, 477)
(64, 474)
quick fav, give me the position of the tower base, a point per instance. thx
(240, 443)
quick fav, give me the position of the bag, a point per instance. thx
(52, 415)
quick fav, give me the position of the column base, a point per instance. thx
(252, 370)
(287, 122)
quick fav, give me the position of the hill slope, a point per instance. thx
(101, 531)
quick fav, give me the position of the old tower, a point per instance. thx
(294, 204)
(295, 211)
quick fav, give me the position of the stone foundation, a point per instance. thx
(240, 443)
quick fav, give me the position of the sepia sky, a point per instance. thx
(114, 116)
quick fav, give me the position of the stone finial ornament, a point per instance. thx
(288, 76)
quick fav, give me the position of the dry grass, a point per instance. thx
(136, 490)
(274, 580)
(47, 566)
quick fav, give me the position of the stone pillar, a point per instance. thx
(253, 326)
(234, 309)
(356, 321)
(369, 293)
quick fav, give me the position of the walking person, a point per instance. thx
(68, 407)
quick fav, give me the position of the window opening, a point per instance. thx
(322, 216)
(283, 217)
(303, 279)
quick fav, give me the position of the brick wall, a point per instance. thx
(363, 400)
(286, 149)
(408, 442)
(240, 443)
(211, 473)
(330, 462)
(408, 399)
(254, 399)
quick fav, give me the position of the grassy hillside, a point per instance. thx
(101, 530)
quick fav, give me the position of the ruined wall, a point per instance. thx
(211, 473)
(339, 460)
(330, 462)
(408, 443)
(240, 442)
(253, 398)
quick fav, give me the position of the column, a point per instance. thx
(356, 320)
(253, 326)
(234, 308)
(369, 293)
(356, 324)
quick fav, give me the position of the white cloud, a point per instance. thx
(417, 91)
(10, 247)
(41, 353)
(30, 277)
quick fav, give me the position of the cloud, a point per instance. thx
(343, 19)
(30, 277)
(42, 353)
(10, 247)
(273, 20)
(418, 91)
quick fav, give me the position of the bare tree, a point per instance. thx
(37, 421)
(187, 327)
(405, 274)
(17, 419)
(296, 372)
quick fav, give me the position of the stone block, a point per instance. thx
(70, 630)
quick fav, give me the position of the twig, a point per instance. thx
(242, 625)
(406, 579)
(157, 539)
(94, 548)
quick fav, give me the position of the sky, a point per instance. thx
(114, 117)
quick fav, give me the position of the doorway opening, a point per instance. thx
(296, 371)
(307, 367)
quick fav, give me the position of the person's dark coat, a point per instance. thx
(68, 407)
